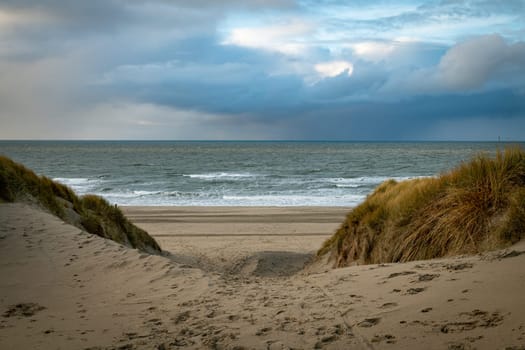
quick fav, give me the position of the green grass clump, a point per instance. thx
(476, 207)
(108, 221)
(16, 181)
(91, 213)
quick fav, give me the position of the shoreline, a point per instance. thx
(236, 221)
(224, 237)
(236, 213)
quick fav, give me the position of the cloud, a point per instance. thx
(479, 64)
(478, 128)
(146, 121)
(478, 116)
(268, 69)
(31, 29)
(97, 15)
(443, 22)
(40, 92)
(363, 10)
(476, 62)
(283, 38)
(218, 74)
(334, 68)
(372, 51)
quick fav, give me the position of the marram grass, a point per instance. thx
(91, 213)
(476, 207)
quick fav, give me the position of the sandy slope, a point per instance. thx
(64, 289)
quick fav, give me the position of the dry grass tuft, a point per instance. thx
(96, 215)
(476, 207)
(108, 221)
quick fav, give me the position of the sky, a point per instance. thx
(262, 70)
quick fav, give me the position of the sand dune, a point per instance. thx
(234, 280)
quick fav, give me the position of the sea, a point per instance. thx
(237, 173)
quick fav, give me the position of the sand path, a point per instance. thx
(64, 289)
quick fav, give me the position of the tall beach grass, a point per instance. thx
(91, 213)
(476, 207)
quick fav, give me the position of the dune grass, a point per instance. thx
(107, 220)
(476, 207)
(91, 213)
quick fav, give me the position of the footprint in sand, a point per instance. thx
(270, 345)
(413, 291)
(369, 322)
(388, 338)
(457, 346)
(404, 273)
(325, 340)
(23, 310)
(471, 320)
(182, 317)
(427, 277)
(458, 267)
(388, 305)
(263, 331)
(233, 317)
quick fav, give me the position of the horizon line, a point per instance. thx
(255, 140)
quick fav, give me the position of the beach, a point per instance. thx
(233, 278)
(225, 239)
(262, 175)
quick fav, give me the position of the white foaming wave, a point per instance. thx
(347, 186)
(338, 196)
(146, 193)
(293, 200)
(356, 182)
(127, 194)
(79, 184)
(72, 181)
(143, 197)
(210, 199)
(221, 175)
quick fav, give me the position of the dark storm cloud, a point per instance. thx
(456, 116)
(268, 66)
(235, 80)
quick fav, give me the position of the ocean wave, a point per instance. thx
(265, 190)
(221, 176)
(79, 184)
(355, 182)
(216, 198)
(146, 193)
(294, 200)
(347, 185)
(127, 193)
(72, 181)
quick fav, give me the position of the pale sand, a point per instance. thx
(227, 238)
(61, 288)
